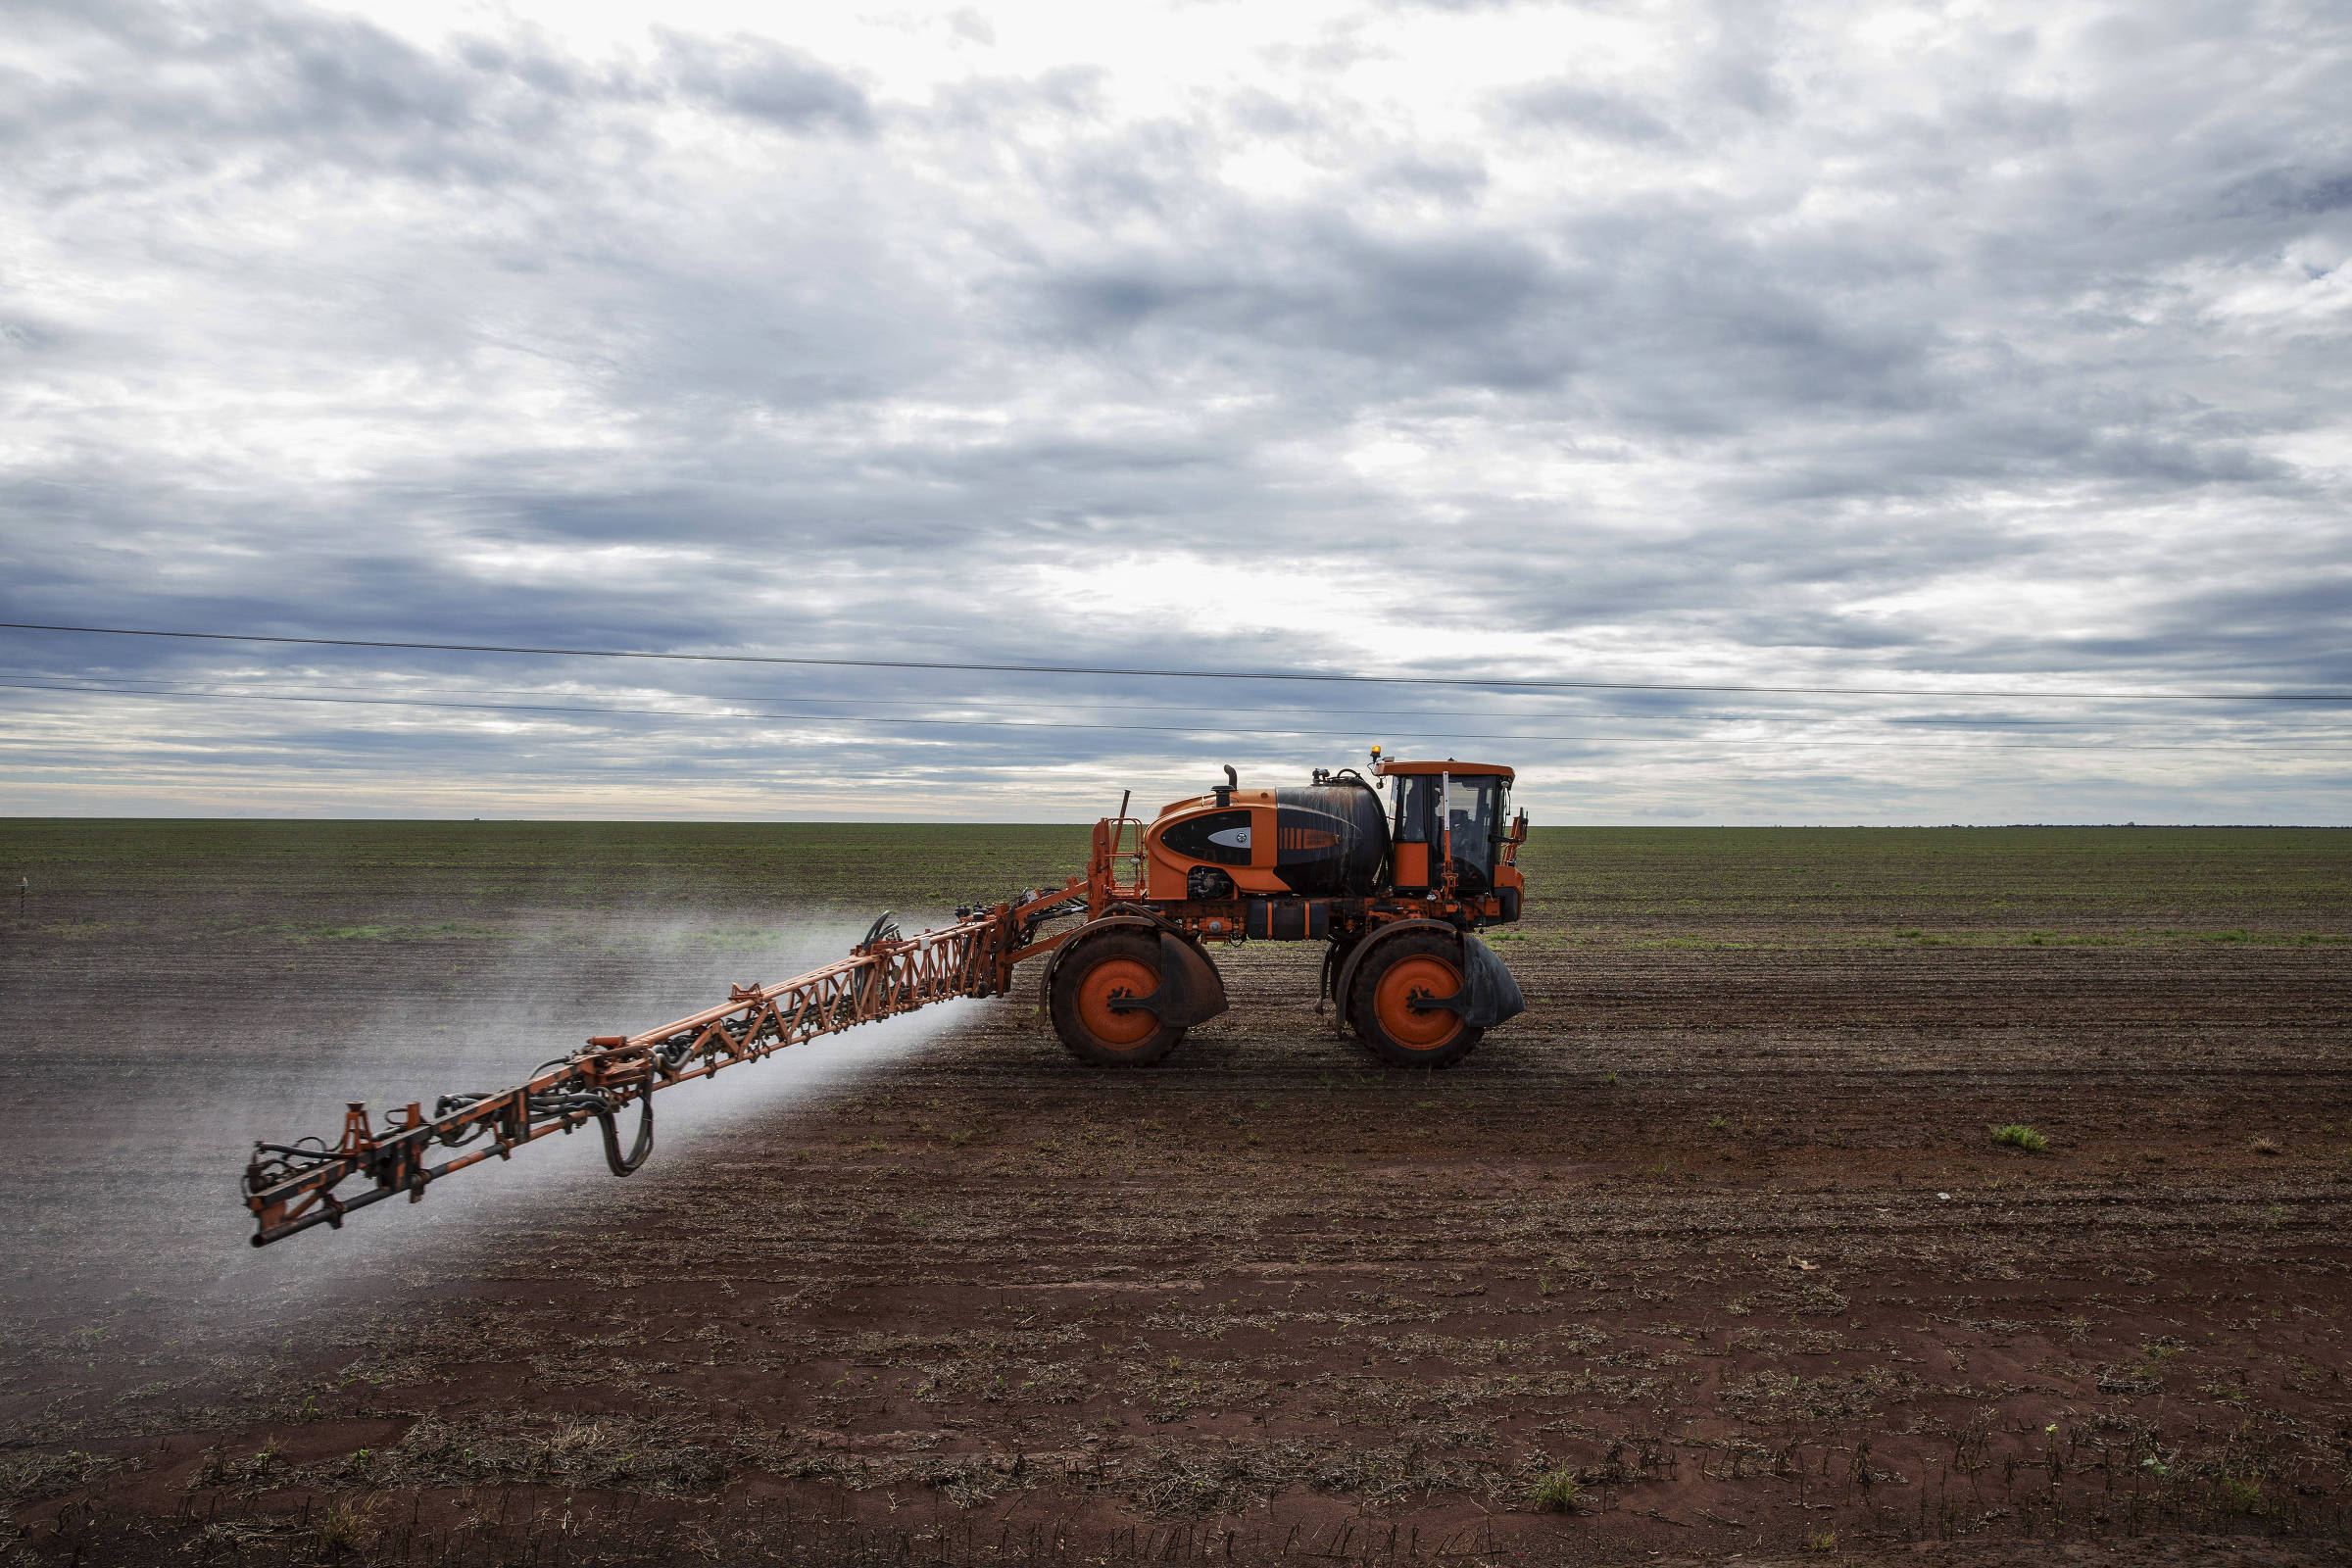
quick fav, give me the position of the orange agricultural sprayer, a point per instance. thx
(1395, 891)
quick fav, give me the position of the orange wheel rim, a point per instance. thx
(1419, 975)
(1110, 979)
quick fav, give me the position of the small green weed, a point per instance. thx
(1559, 1491)
(2016, 1135)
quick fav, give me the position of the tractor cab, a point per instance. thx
(1456, 809)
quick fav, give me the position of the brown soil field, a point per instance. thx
(1709, 1254)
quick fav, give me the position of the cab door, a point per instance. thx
(1473, 807)
(1411, 854)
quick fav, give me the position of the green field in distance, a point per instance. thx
(1586, 883)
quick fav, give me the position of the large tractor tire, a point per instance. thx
(1118, 963)
(1416, 966)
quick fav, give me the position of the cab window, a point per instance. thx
(1470, 807)
(1416, 794)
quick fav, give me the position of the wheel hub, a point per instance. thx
(1116, 980)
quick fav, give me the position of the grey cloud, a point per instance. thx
(181, 91)
(1697, 330)
(2290, 193)
(1453, 181)
(2289, 625)
(1737, 57)
(984, 104)
(1259, 112)
(299, 80)
(1463, 310)
(1607, 115)
(767, 81)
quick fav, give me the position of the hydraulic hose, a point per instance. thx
(600, 1106)
(645, 1136)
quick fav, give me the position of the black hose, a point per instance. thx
(645, 1136)
(457, 1137)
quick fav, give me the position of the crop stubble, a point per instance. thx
(1717, 1228)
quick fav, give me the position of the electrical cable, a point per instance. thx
(1497, 683)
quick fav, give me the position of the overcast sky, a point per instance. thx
(1964, 348)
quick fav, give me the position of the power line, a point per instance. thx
(1196, 674)
(1156, 729)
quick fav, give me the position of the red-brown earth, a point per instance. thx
(1713, 1239)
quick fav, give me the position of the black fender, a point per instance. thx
(1493, 993)
(1494, 990)
(1191, 991)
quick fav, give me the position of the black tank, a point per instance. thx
(1330, 840)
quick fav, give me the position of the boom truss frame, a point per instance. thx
(291, 1186)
